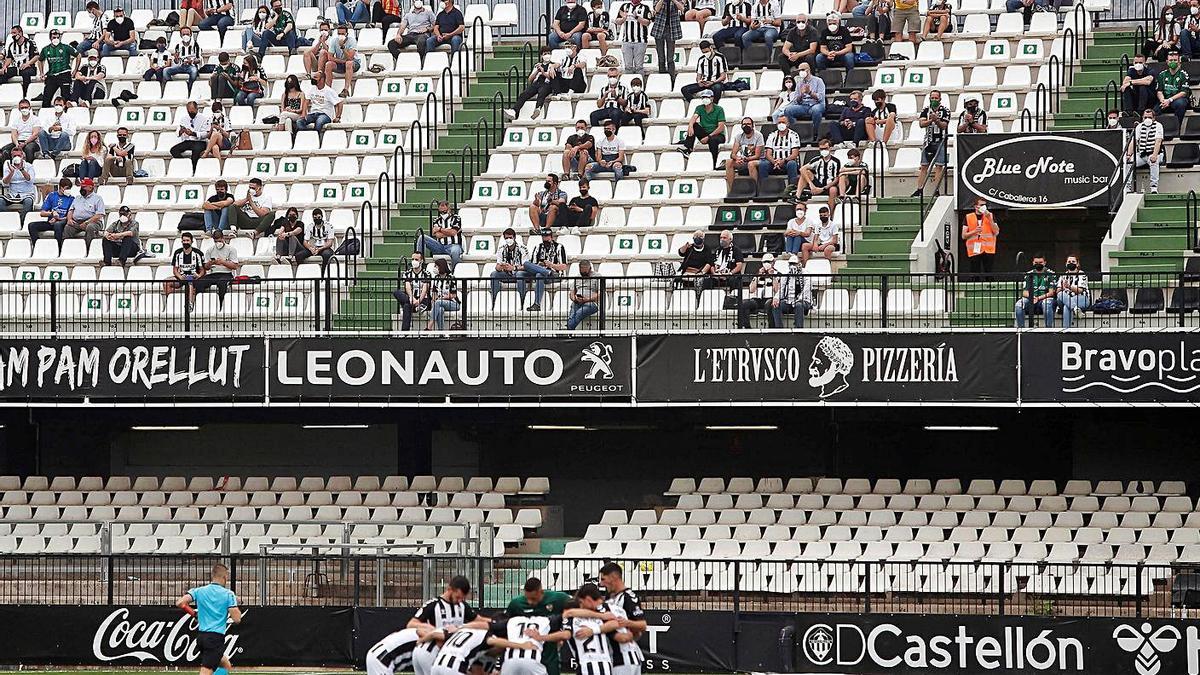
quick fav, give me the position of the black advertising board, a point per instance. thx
(815, 367)
(872, 644)
(1079, 367)
(469, 367)
(163, 369)
(1038, 170)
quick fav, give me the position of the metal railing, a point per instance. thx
(671, 583)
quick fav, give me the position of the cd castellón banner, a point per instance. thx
(1038, 170)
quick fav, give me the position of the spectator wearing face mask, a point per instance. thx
(1145, 149)
(1174, 93)
(544, 208)
(633, 25)
(18, 179)
(764, 24)
(185, 58)
(289, 235)
(819, 177)
(221, 265)
(281, 32)
(160, 60)
(252, 82)
(318, 240)
(735, 21)
(851, 128)
(1114, 119)
(879, 18)
(973, 119)
(585, 296)
(801, 223)
(443, 288)
(979, 235)
(582, 210)
(611, 103)
(121, 239)
(637, 104)
(120, 160)
(853, 181)
(413, 294)
(94, 156)
(191, 129)
(746, 152)
(314, 56)
(547, 264)
(882, 122)
(1072, 294)
(568, 25)
(54, 210)
(836, 45)
(448, 28)
(58, 59)
(119, 34)
(610, 154)
(795, 295)
(343, 59)
(937, 18)
(823, 239)
(707, 126)
(785, 97)
(934, 119)
(86, 214)
(799, 46)
(808, 100)
(539, 86)
(698, 258)
(510, 264)
(24, 132)
(187, 267)
(21, 58)
(58, 130)
(712, 71)
(1041, 285)
(572, 72)
(578, 150)
(88, 83)
(763, 287)
(599, 30)
(259, 25)
(414, 30)
(218, 14)
(1189, 31)
(1137, 87)
(353, 12)
(224, 80)
(220, 136)
(215, 215)
(445, 235)
(255, 211)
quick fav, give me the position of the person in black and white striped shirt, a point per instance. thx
(764, 24)
(185, 57)
(633, 20)
(445, 613)
(20, 59)
(217, 14)
(610, 105)
(92, 39)
(637, 104)
(712, 70)
(782, 153)
(1145, 149)
(592, 650)
(820, 175)
(735, 21)
(462, 647)
(572, 72)
(539, 630)
(624, 604)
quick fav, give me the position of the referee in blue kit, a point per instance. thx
(216, 605)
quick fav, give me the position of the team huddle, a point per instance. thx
(448, 637)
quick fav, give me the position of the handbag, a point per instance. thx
(242, 140)
(71, 171)
(351, 247)
(191, 221)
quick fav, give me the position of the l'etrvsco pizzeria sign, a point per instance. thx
(161, 369)
(1038, 170)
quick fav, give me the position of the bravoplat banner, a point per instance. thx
(815, 367)
(901, 644)
(469, 367)
(1038, 170)
(1119, 367)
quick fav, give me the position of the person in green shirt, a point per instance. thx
(57, 59)
(282, 32)
(1040, 286)
(707, 125)
(225, 81)
(1174, 94)
(536, 601)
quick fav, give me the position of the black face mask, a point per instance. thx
(187, 244)
(318, 220)
(122, 138)
(824, 219)
(1039, 266)
(583, 191)
(1072, 266)
(546, 185)
(609, 133)
(292, 217)
(748, 129)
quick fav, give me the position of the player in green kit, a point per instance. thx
(536, 601)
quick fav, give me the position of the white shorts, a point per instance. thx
(635, 669)
(374, 667)
(522, 667)
(423, 660)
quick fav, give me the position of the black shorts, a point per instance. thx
(212, 649)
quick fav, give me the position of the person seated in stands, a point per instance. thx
(121, 239)
(187, 267)
(610, 154)
(413, 294)
(610, 105)
(707, 125)
(259, 25)
(882, 122)
(764, 24)
(1114, 119)
(577, 151)
(88, 84)
(192, 127)
(58, 130)
(572, 72)
(510, 264)
(93, 156)
(637, 104)
(568, 25)
(763, 287)
(823, 238)
(735, 21)
(314, 56)
(289, 235)
(712, 71)
(24, 132)
(445, 235)
(820, 176)
(323, 105)
(809, 100)
(318, 240)
(698, 258)
(544, 208)
(254, 212)
(800, 46)
(21, 58)
(585, 296)
(547, 264)
(937, 18)
(973, 119)
(54, 210)
(216, 216)
(1027, 7)
(443, 289)
(353, 11)
(795, 295)
(1165, 38)
(851, 128)
(121, 158)
(794, 232)
(879, 19)
(221, 265)
(781, 154)
(385, 13)
(836, 45)
(414, 29)
(1189, 31)
(853, 181)
(17, 177)
(185, 58)
(220, 136)
(343, 59)
(1174, 93)
(746, 152)
(539, 86)
(224, 82)
(218, 15)
(1145, 149)
(599, 28)
(1072, 294)
(252, 82)
(728, 263)
(86, 214)
(1138, 86)
(448, 28)
(281, 31)
(700, 11)
(119, 34)
(1041, 286)
(582, 210)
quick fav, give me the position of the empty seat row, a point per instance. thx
(921, 486)
(478, 484)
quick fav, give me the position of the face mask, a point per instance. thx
(613, 81)
(24, 112)
(788, 84)
(1139, 67)
(1039, 266)
(726, 243)
(18, 160)
(1172, 64)
(55, 41)
(1072, 266)
(983, 208)
(1112, 123)
(318, 220)
(698, 242)
(1194, 10)
(804, 75)
(509, 241)
(124, 219)
(58, 109)
(186, 39)
(570, 5)
(609, 133)
(824, 219)
(580, 131)
(219, 244)
(768, 266)
(546, 185)
(801, 25)
(833, 25)
(824, 153)
(292, 217)
(935, 102)
(748, 130)
(545, 58)
(1148, 121)
(415, 263)
(972, 108)
(93, 62)
(782, 126)
(325, 33)
(262, 15)
(162, 46)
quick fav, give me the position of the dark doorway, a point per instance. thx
(1056, 233)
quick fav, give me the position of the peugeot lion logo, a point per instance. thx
(1147, 645)
(599, 356)
(832, 361)
(818, 644)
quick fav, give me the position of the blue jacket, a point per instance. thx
(58, 203)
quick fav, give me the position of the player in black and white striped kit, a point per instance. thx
(443, 614)
(394, 652)
(624, 604)
(540, 629)
(462, 647)
(589, 641)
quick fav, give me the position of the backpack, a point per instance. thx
(943, 262)
(1108, 306)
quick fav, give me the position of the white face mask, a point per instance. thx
(1194, 10)
(613, 81)
(219, 244)
(801, 25)
(124, 219)
(1112, 123)
(93, 62)
(508, 241)
(324, 33)
(833, 25)
(768, 266)
(262, 15)
(545, 58)
(186, 39)
(983, 208)
(1139, 67)
(58, 109)
(415, 264)
(1147, 121)
(803, 75)
(25, 112)
(824, 153)
(782, 126)
(55, 41)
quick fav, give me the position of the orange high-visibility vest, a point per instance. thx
(982, 240)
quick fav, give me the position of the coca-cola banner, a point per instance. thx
(160, 636)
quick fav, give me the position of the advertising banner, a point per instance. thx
(1120, 367)
(1038, 170)
(813, 367)
(470, 367)
(973, 645)
(135, 369)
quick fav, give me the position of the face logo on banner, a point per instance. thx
(599, 356)
(1146, 644)
(832, 360)
(818, 644)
